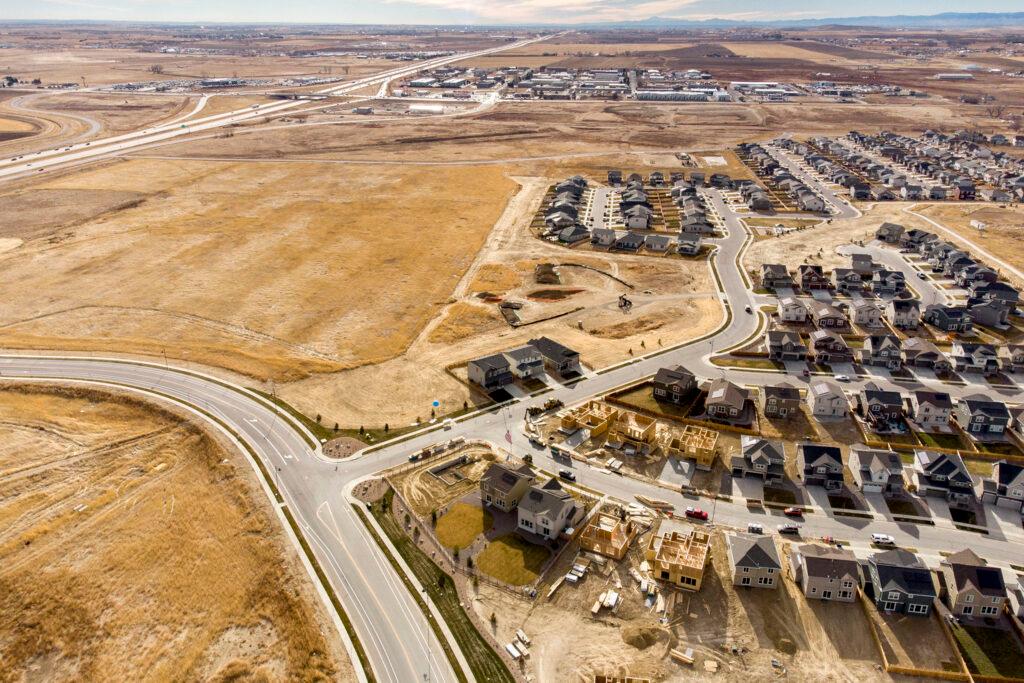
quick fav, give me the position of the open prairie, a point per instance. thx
(270, 270)
(134, 547)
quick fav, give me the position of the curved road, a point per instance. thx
(400, 645)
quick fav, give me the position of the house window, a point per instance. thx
(917, 609)
(988, 610)
(969, 597)
(664, 574)
(889, 606)
(687, 581)
(745, 581)
(813, 590)
(996, 600)
(771, 570)
(967, 610)
(826, 595)
(746, 570)
(847, 584)
(894, 595)
(845, 595)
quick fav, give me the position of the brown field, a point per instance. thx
(15, 126)
(134, 547)
(318, 275)
(221, 104)
(114, 113)
(1002, 236)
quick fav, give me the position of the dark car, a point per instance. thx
(567, 475)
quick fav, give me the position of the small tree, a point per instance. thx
(433, 518)
(361, 430)
(469, 563)
(455, 554)
(386, 428)
(407, 519)
(415, 533)
(433, 413)
(494, 619)
(465, 405)
(335, 426)
(318, 418)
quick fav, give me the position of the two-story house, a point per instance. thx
(754, 560)
(866, 313)
(903, 313)
(982, 417)
(820, 465)
(943, 475)
(974, 357)
(882, 410)
(776, 276)
(901, 582)
(876, 471)
(812, 278)
(931, 410)
(921, 353)
(848, 281)
(679, 558)
(826, 316)
(728, 402)
(525, 362)
(560, 359)
(883, 350)
(791, 310)
(825, 572)
(674, 385)
(780, 401)
(1006, 486)
(546, 510)
(503, 486)
(826, 399)
(973, 589)
(761, 458)
(949, 318)
(785, 346)
(490, 372)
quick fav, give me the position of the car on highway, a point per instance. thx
(748, 309)
(789, 528)
(696, 513)
(842, 378)
(923, 276)
(793, 512)
(883, 539)
(567, 475)
(755, 528)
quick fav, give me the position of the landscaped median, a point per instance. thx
(484, 663)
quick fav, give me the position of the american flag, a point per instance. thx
(508, 436)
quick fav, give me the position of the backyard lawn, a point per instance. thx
(928, 439)
(642, 397)
(461, 524)
(512, 560)
(990, 651)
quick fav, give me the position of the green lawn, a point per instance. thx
(939, 440)
(642, 397)
(512, 560)
(484, 662)
(990, 651)
(458, 527)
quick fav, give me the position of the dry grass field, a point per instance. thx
(115, 113)
(133, 547)
(270, 270)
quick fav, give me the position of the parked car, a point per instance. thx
(842, 378)
(748, 309)
(696, 513)
(755, 528)
(793, 512)
(789, 528)
(883, 539)
(567, 475)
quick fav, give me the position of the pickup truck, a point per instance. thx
(696, 513)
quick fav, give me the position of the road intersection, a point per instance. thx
(399, 642)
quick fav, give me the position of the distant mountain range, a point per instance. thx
(950, 20)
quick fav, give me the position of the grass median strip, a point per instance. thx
(484, 662)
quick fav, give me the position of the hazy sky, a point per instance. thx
(476, 11)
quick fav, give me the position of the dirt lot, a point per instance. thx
(115, 113)
(134, 547)
(914, 641)
(278, 284)
(813, 641)
(425, 493)
(1002, 236)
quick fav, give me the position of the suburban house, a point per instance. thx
(503, 486)
(888, 282)
(903, 313)
(931, 410)
(973, 589)
(785, 346)
(776, 276)
(679, 558)
(826, 399)
(890, 233)
(876, 471)
(490, 372)
(761, 458)
(754, 560)
(882, 350)
(829, 348)
(780, 401)
(688, 243)
(546, 510)
(862, 264)
(921, 353)
(603, 237)
(980, 416)
(1012, 357)
(901, 582)
(881, 409)
(948, 318)
(608, 535)
(813, 278)
(827, 316)
(728, 402)
(848, 281)
(791, 310)
(973, 357)
(820, 465)
(1006, 487)
(943, 475)
(674, 384)
(866, 313)
(525, 362)
(1017, 596)
(561, 359)
(825, 572)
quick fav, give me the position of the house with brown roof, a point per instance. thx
(825, 572)
(973, 589)
(503, 486)
(728, 402)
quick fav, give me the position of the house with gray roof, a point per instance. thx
(973, 589)
(982, 417)
(490, 372)
(1006, 486)
(931, 410)
(546, 510)
(784, 345)
(901, 582)
(876, 471)
(781, 401)
(760, 458)
(754, 560)
(943, 475)
(820, 465)
(825, 572)
(675, 384)
(827, 399)
(525, 362)
(503, 486)
(728, 402)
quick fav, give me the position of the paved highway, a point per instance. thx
(64, 155)
(399, 644)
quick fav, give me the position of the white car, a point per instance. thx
(883, 539)
(842, 378)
